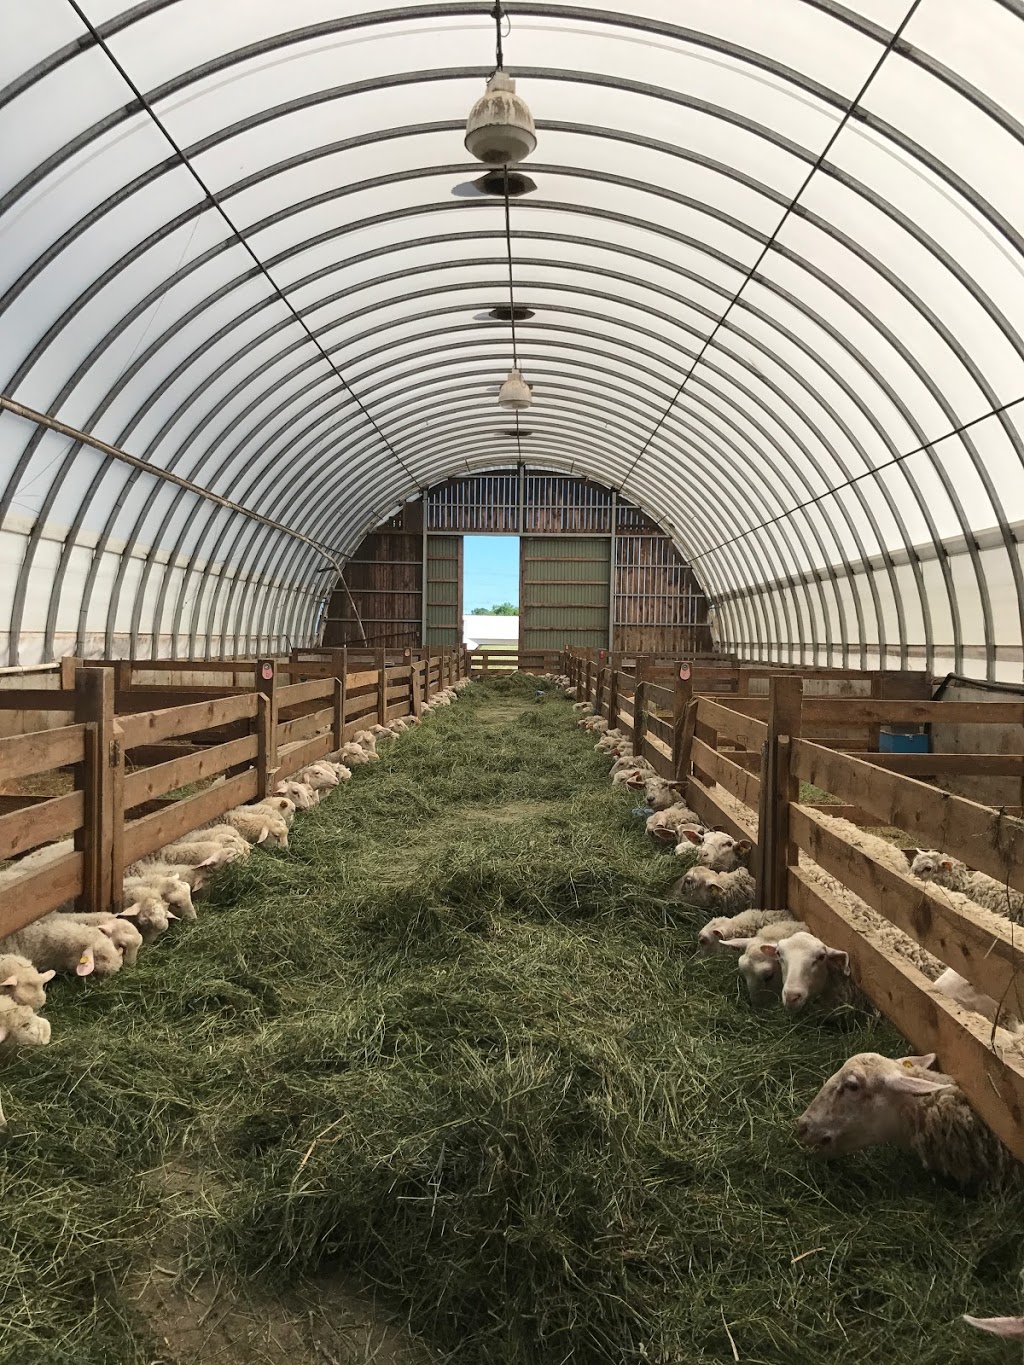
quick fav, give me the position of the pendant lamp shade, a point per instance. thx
(515, 392)
(500, 128)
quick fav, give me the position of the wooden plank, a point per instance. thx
(297, 693)
(148, 783)
(983, 946)
(26, 897)
(292, 731)
(149, 727)
(658, 754)
(182, 817)
(41, 751)
(743, 730)
(979, 835)
(44, 823)
(295, 756)
(162, 698)
(743, 785)
(929, 765)
(994, 1085)
(94, 689)
(660, 728)
(684, 744)
(853, 711)
(702, 802)
(36, 699)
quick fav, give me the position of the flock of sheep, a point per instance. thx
(160, 888)
(871, 1100)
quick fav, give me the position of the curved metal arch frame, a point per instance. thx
(589, 17)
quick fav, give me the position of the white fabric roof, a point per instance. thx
(776, 256)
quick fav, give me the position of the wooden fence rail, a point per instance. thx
(134, 766)
(744, 760)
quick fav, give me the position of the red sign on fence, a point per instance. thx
(684, 672)
(267, 671)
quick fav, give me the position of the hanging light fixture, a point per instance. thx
(500, 128)
(515, 393)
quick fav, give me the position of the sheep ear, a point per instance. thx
(172, 915)
(926, 1060)
(11, 981)
(212, 861)
(743, 846)
(86, 964)
(47, 976)
(947, 864)
(263, 834)
(129, 912)
(837, 958)
(769, 949)
(693, 836)
(911, 854)
(739, 945)
(905, 1083)
(3, 1032)
(107, 929)
(999, 1327)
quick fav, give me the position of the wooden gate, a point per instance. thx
(564, 584)
(443, 612)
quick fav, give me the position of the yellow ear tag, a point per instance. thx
(909, 1065)
(83, 961)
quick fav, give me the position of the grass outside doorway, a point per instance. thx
(445, 1082)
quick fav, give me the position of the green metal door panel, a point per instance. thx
(444, 591)
(564, 592)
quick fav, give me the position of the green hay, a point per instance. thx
(455, 1042)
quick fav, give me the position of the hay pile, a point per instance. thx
(454, 1041)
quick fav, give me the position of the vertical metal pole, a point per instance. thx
(612, 551)
(423, 578)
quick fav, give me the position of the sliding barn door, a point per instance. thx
(444, 591)
(563, 592)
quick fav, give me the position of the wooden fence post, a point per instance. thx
(588, 687)
(613, 697)
(681, 698)
(94, 707)
(779, 789)
(116, 817)
(68, 669)
(266, 683)
(382, 687)
(639, 717)
(265, 761)
(684, 745)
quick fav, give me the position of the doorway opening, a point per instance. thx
(490, 592)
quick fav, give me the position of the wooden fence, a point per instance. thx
(148, 764)
(743, 761)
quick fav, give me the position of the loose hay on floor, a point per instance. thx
(454, 1044)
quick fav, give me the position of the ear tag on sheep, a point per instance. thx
(86, 964)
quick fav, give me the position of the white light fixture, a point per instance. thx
(500, 130)
(515, 393)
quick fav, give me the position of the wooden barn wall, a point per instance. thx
(385, 578)
(659, 606)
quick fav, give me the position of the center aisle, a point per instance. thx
(455, 1043)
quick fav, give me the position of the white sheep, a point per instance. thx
(958, 988)
(20, 1026)
(727, 892)
(608, 741)
(172, 890)
(633, 776)
(628, 762)
(983, 890)
(661, 794)
(810, 970)
(320, 778)
(21, 982)
(366, 739)
(872, 1101)
(759, 968)
(301, 793)
(747, 924)
(667, 826)
(259, 825)
(284, 806)
(150, 914)
(123, 934)
(195, 878)
(581, 707)
(57, 943)
(355, 756)
(201, 852)
(715, 849)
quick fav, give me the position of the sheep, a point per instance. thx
(581, 707)
(150, 914)
(259, 825)
(759, 968)
(608, 741)
(20, 1026)
(366, 739)
(711, 938)
(56, 942)
(627, 762)
(715, 849)
(810, 970)
(872, 1101)
(123, 934)
(354, 755)
(301, 793)
(195, 878)
(728, 892)
(958, 988)
(283, 805)
(595, 723)
(344, 774)
(172, 890)
(660, 794)
(22, 983)
(983, 890)
(634, 775)
(201, 852)
(667, 825)
(321, 779)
